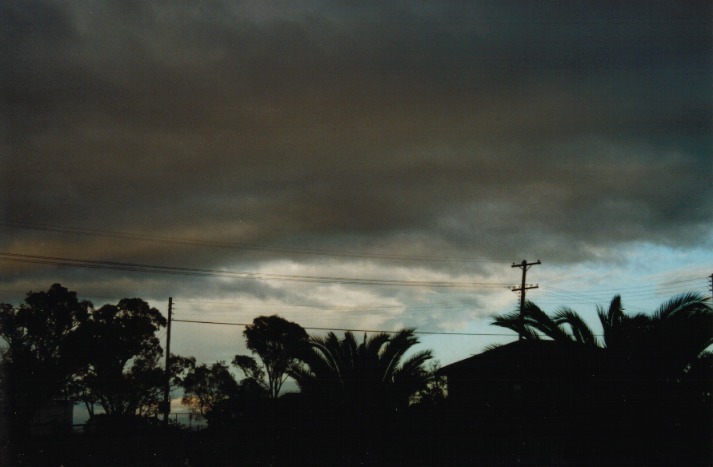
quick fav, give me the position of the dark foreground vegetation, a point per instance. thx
(640, 394)
(298, 436)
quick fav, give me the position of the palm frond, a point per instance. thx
(491, 347)
(414, 364)
(610, 319)
(513, 322)
(682, 304)
(322, 357)
(302, 374)
(395, 349)
(348, 346)
(683, 337)
(581, 332)
(539, 320)
(374, 344)
(510, 321)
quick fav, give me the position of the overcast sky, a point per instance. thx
(390, 141)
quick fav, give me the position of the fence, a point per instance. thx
(190, 420)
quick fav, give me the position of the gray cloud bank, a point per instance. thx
(493, 130)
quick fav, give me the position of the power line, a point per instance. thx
(237, 245)
(24, 292)
(584, 299)
(627, 293)
(650, 288)
(434, 333)
(232, 305)
(569, 293)
(597, 297)
(136, 267)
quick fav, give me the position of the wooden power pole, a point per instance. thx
(167, 383)
(524, 265)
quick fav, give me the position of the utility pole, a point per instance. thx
(167, 388)
(524, 265)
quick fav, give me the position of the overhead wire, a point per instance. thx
(312, 328)
(229, 304)
(672, 283)
(238, 245)
(585, 299)
(648, 291)
(371, 307)
(593, 298)
(137, 267)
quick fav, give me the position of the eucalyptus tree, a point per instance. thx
(205, 386)
(41, 352)
(277, 342)
(124, 374)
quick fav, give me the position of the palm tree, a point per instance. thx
(651, 382)
(679, 331)
(670, 340)
(645, 353)
(534, 322)
(368, 375)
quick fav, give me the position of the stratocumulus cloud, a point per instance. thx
(491, 130)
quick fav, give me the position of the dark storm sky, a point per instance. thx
(562, 130)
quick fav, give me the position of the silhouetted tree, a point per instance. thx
(564, 326)
(250, 368)
(651, 377)
(41, 352)
(369, 375)
(276, 341)
(677, 333)
(670, 339)
(205, 386)
(124, 375)
(433, 394)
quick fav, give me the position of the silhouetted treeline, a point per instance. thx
(639, 393)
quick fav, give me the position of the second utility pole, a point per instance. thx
(524, 265)
(167, 383)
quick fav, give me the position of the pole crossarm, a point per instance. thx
(524, 265)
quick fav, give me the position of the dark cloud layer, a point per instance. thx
(491, 130)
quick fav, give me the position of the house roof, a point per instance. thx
(529, 356)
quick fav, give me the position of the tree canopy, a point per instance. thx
(123, 375)
(205, 386)
(277, 342)
(643, 379)
(676, 333)
(42, 350)
(370, 374)
(652, 373)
